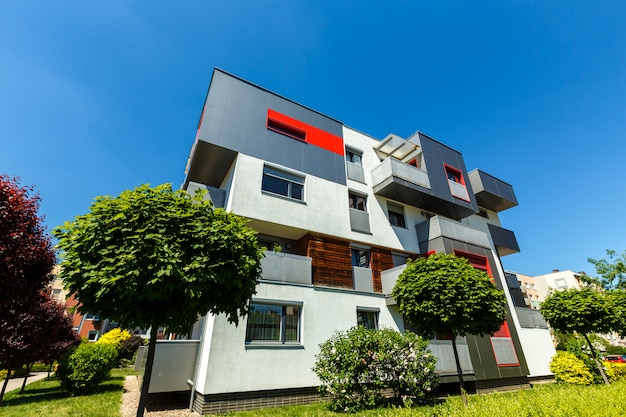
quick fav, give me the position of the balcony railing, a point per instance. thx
(442, 350)
(285, 267)
(359, 221)
(392, 167)
(362, 278)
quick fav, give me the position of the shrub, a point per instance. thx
(83, 368)
(129, 347)
(615, 371)
(114, 337)
(568, 368)
(358, 367)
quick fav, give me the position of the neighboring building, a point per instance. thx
(556, 281)
(87, 326)
(340, 212)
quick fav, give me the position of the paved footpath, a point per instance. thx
(16, 383)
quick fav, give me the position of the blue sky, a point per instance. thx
(101, 96)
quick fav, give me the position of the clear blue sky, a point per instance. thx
(100, 96)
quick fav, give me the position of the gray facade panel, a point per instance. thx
(235, 117)
(436, 155)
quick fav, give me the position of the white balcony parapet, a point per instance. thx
(392, 167)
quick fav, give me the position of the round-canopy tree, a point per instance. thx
(582, 310)
(445, 294)
(153, 256)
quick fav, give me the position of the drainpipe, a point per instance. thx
(193, 394)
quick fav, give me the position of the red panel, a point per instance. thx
(503, 331)
(312, 135)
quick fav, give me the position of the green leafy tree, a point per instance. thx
(445, 294)
(611, 271)
(582, 310)
(617, 300)
(153, 256)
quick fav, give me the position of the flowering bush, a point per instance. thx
(360, 367)
(567, 367)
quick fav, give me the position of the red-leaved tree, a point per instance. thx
(26, 252)
(26, 261)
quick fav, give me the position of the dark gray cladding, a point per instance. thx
(235, 117)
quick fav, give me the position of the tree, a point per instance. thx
(582, 310)
(612, 271)
(26, 252)
(34, 332)
(26, 261)
(445, 294)
(617, 300)
(154, 256)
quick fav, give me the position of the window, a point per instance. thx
(357, 202)
(93, 335)
(273, 323)
(56, 294)
(354, 157)
(285, 129)
(283, 183)
(456, 182)
(367, 318)
(396, 215)
(361, 258)
(560, 283)
(503, 348)
(477, 261)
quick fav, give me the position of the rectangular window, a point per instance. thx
(456, 182)
(286, 129)
(354, 157)
(273, 323)
(93, 335)
(503, 348)
(560, 283)
(367, 318)
(361, 258)
(357, 202)
(396, 215)
(477, 261)
(283, 183)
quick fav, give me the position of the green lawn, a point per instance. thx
(46, 398)
(550, 400)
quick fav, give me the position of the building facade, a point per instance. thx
(339, 213)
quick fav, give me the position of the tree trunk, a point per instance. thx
(28, 368)
(6, 382)
(458, 369)
(595, 359)
(143, 399)
(50, 369)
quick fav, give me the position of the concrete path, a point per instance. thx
(16, 383)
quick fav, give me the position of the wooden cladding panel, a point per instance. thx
(331, 260)
(381, 260)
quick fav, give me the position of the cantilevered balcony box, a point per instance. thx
(491, 193)
(503, 239)
(285, 267)
(439, 227)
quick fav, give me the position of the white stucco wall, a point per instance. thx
(232, 366)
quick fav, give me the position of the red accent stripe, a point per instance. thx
(313, 135)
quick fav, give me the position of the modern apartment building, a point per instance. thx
(340, 213)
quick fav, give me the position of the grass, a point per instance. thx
(46, 398)
(551, 400)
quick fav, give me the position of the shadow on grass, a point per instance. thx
(36, 393)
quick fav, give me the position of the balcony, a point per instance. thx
(446, 365)
(355, 172)
(285, 267)
(359, 221)
(491, 193)
(362, 278)
(530, 318)
(503, 239)
(215, 195)
(439, 227)
(402, 182)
